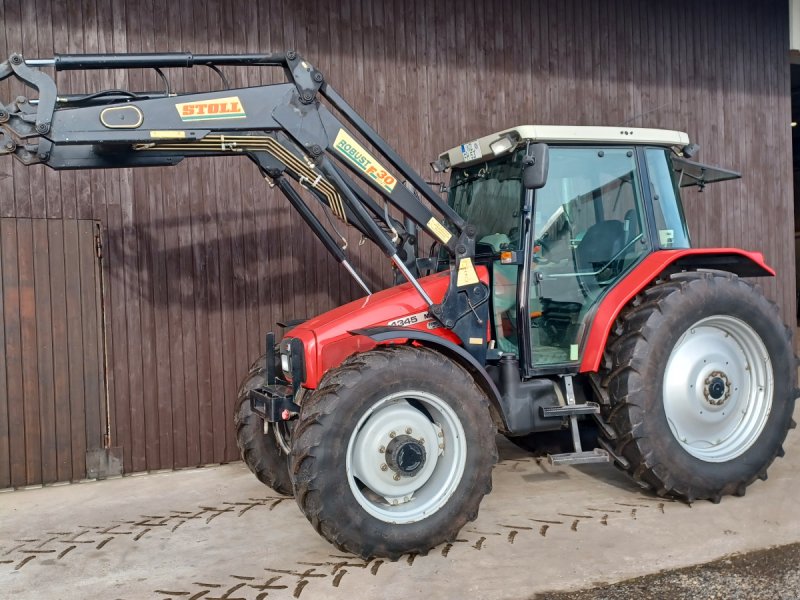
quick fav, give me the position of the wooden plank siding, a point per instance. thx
(52, 381)
(201, 259)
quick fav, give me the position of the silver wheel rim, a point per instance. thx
(386, 492)
(718, 388)
(282, 436)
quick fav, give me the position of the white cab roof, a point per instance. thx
(480, 150)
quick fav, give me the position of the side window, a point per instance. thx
(667, 209)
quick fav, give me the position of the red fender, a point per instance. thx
(327, 338)
(741, 262)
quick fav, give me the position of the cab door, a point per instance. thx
(588, 233)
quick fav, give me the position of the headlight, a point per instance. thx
(286, 365)
(285, 350)
(505, 143)
(292, 360)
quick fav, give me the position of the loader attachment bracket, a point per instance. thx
(29, 124)
(274, 403)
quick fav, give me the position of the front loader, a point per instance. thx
(562, 303)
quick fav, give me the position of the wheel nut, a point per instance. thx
(382, 450)
(392, 434)
(384, 467)
(421, 440)
(396, 477)
(441, 434)
(408, 430)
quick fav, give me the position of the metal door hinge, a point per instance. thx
(98, 245)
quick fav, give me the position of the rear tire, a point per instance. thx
(265, 454)
(393, 453)
(701, 378)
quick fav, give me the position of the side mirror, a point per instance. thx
(535, 166)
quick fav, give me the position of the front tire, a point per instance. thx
(701, 377)
(393, 453)
(264, 453)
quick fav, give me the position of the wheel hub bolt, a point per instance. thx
(717, 388)
(384, 467)
(408, 430)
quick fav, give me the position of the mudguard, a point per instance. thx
(733, 260)
(448, 348)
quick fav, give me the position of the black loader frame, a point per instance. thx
(283, 128)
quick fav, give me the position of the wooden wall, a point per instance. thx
(202, 258)
(52, 385)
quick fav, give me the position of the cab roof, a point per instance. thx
(480, 150)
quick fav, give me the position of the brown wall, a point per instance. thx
(52, 392)
(202, 258)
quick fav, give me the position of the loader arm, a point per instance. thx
(287, 129)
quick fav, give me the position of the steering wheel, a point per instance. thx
(618, 254)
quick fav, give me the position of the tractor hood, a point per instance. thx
(327, 338)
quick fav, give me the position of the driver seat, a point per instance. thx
(601, 243)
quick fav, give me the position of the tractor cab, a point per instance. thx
(610, 197)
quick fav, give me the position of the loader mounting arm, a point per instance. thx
(286, 129)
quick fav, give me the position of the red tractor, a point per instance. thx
(563, 305)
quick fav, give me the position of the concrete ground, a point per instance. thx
(217, 533)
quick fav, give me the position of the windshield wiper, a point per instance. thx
(479, 175)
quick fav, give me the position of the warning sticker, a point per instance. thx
(158, 134)
(466, 273)
(439, 230)
(471, 151)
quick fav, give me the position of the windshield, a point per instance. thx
(489, 196)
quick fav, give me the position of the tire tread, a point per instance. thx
(317, 411)
(628, 345)
(259, 451)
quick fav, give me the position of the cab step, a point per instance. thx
(597, 455)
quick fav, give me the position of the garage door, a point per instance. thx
(52, 377)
